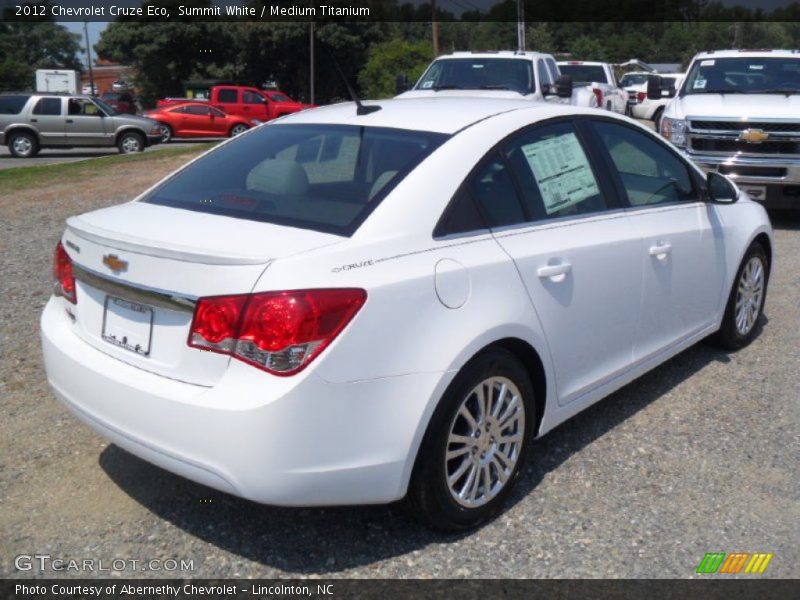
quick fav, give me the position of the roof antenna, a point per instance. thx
(362, 109)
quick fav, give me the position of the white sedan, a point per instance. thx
(347, 307)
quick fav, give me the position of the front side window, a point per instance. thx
(744, 76)
(650, 172)
(544, 75)
(321, 177)
(48, 106)
(252, 98)
(81, 107)
(554, 173)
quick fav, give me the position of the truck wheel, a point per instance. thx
(23, 145)
(237, 130)
(130, 142)
(657, 118)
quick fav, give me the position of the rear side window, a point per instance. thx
(554, 173)
(321, 177)
(228, 96)
(493, 189)
(197, 110)
(650, 172)
(48, 106)
(12, 105)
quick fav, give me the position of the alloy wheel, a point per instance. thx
(749, 295)
(23, 145)
(484, 442)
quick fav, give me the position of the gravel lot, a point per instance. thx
(698, 456)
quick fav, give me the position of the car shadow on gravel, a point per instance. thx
(326, 540)
(785, 220)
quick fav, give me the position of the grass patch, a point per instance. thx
(21, 178)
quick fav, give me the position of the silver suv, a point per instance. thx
(31, 121)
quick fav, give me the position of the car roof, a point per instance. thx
(591, 63)
(745, 53)
(527, 55)
(441, 115)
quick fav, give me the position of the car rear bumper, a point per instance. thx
(292, 441)
(779, 177)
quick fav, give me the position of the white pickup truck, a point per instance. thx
(502, 74)
(602, 81)
(738, 113)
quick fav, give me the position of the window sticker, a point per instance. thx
(756, 67)
(707, 63)
(427, 84)
(561, 170)
(699, 84)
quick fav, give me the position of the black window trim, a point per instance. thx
(607, 187)
(698, 184)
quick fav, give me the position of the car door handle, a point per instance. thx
(554, 272)
(660, 250)
(70, 121)
(34, 120)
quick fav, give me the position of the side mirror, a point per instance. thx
(401, 84)
(721, 189)
(660, 87)
(563, 86)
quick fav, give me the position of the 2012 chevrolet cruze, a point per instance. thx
(346, 306)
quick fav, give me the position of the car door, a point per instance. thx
(86, 124)
(219, 123)
(47, 116)
(573, 248)
(255, 106)
(682, 249)
(229, 100)
(197, 121)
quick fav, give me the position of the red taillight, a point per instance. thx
(63, 279)
(280, 332)
(598, 93)
(640, 97)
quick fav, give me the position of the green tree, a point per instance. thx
(25, 47)
(540, 38)
(587, 48)
(387, 60)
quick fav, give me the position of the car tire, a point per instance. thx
(130, 142)
(166, 133)
(657, 118)
(23, 144)
(452, 494)
(237, 130)
(746, 301)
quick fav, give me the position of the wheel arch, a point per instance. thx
(22, 128)
(129, 129)
(765, 241)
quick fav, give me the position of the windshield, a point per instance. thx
(584, 73)
(744, 76)
(511, 74)
(633, 79)
(106, 108)
(321, 177)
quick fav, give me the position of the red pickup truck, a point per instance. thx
(250, 102)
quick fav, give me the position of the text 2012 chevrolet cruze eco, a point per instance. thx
(342, 308)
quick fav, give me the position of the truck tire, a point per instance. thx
(130, 142)
(23, 144)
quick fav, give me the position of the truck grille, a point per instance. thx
(724, 137)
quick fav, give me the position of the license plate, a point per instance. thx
(128, 325)
(756, 192)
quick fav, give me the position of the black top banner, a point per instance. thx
(406, 11)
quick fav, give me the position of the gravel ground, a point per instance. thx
(700, 455)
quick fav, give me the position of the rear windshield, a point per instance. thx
(321, 177)
(584, 73)
(634, 79)
(12, 105)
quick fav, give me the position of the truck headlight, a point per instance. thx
(674, 130)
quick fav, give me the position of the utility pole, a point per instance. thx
(434, 29)
(311, 60)
(89, 57)
(521, 26)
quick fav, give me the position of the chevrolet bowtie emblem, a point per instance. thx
(753, 136)
(113, 262)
